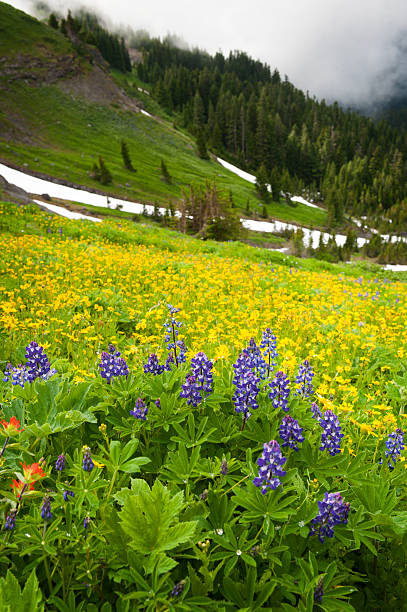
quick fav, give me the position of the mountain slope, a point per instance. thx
(60, 126)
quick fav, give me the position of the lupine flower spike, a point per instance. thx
(87, 463)
(270, 467)
(394, 446)
(46, 508)
(291, 432)
(175, 346)
(60, 463)
(304, 378)
(140, 410)
(279, 391)
(111, 364)
(331, 435)
(268, 344)
(247, 387)
(332, 511)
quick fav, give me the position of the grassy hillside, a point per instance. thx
(46, 130)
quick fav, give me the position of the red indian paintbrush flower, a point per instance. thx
(32, 472)
(11, 428)
(19, 487)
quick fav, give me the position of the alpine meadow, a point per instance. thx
(203, 350)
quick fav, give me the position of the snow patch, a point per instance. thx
(64, 212)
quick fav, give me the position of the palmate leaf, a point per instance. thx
(12, 599)
(148, 518)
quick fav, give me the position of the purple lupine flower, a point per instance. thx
(291, 432)
(319, 591)
(158, 403)
(304, 379)
(140, 410)
(332, 511)
(169, 361)
(394, 446)
(247, 387)
(201, 369)
(316, 413)
(331, 435)
(46, 508)
(111, 364)
(60, 463)
(10, 522)
(18, 374)
(37, 365)
(269, 343)
(171, 336)
(256, 360)
(279, 391)
(87, 463)
(190, 391)
(224, 467)
(152, 366)
(86, 523)
(270, 464)
(178, 589)
(67, 494)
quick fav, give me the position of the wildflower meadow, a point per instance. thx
(191, 429)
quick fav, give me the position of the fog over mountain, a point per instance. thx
(350, 51)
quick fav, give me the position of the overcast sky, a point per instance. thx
(349, 50)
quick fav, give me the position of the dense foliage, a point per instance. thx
(187, 432)
(251, 114)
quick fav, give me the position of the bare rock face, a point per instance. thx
(12, 193)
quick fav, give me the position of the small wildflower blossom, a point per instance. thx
(304, 378)
(32, 472)
(332, 511)
(60, 463)
(175, 346)
(190, 391)
(87, 463)
(18, 374)
(38, 365)
(268, 344)
(20, 487)
(140, 410)
(111, 364)
(46, 508)
(331, 435)
(224, 467)
(394, 446)
(152, 366)
(291, 432)
(86, 523)
(270, 467)
(279, 391)
(158, 403)
(11, 427)
(67, 494)
(247, 386)
(319, 591)
(10, 522)
(178, 589)
(316, 413)
(201, 369)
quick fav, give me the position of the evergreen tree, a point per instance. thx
(165, 174)
(261, 183)
(126, 156)
(201, 144)
(275, 184)
(53, 21)
(105, 176)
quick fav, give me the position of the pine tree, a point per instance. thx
(201, 144)
(261, 183)
(105, 176)
(165, 174)
(53, 21)
(126, 156)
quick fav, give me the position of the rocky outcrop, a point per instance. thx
(12, 193)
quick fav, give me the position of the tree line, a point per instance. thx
(249, 114)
